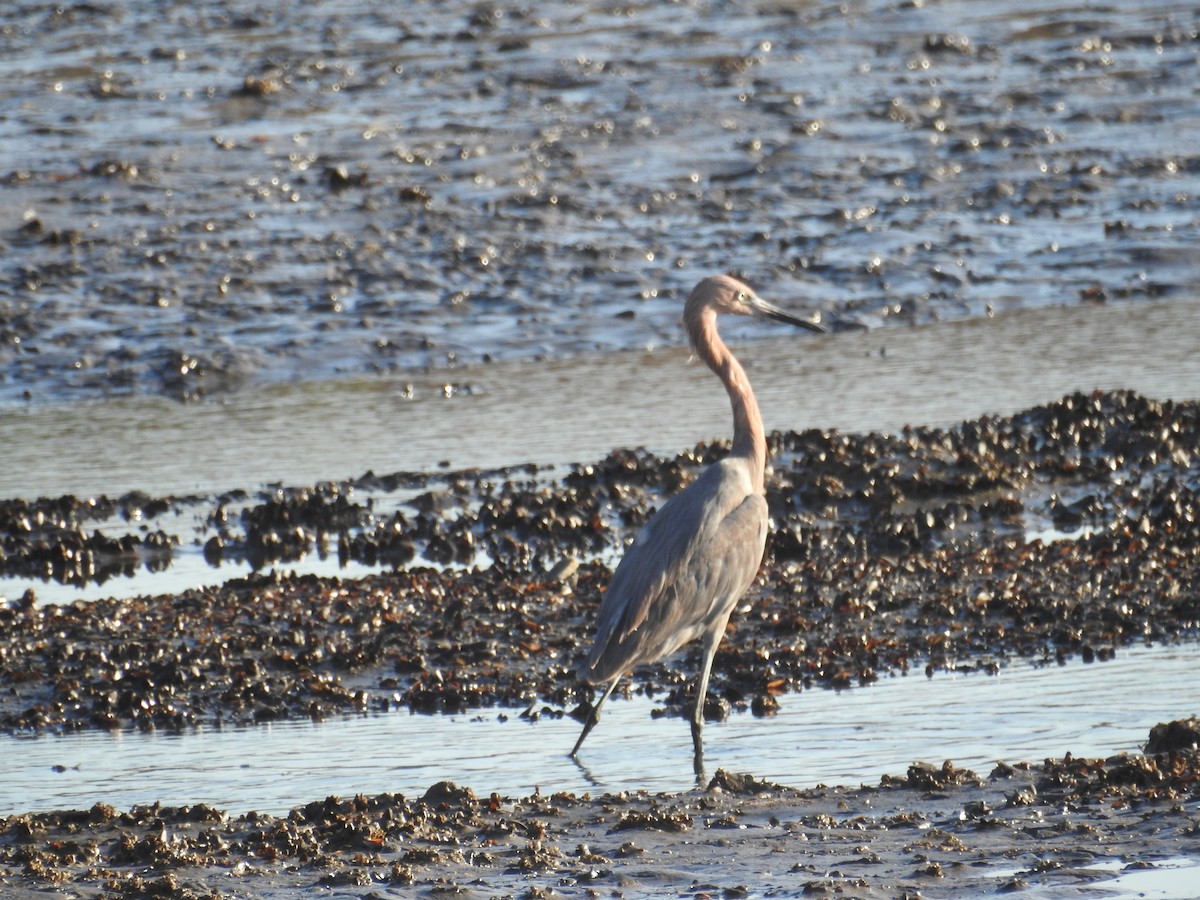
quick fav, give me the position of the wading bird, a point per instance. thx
(693, 560)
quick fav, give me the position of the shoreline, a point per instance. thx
(1076, 825)
(573, 411)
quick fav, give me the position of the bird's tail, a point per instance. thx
(607, 660)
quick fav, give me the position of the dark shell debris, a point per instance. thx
(917, 550)
(1056, 535)
(932, 832)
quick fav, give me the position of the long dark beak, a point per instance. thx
(763, 308)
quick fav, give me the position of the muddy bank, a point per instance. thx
(1064, 825)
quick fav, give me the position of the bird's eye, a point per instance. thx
(742, 298)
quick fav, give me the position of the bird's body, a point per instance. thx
(689, 565)
(648, 611)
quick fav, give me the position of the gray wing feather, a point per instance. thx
(684, 572)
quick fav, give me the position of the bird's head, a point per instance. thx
(725, 294)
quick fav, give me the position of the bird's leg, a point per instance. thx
(697, 757)
(711, 641)
(594, 715)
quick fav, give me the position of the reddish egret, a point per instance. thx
(685, 571)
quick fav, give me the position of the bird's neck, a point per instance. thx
(749, 440)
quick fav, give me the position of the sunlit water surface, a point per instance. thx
(849, 737)
(529, 186)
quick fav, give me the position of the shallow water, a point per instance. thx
(847, 737)
(1172, 879)
(1167, 879)
(559, 413)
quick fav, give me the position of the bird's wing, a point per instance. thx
(701, 548)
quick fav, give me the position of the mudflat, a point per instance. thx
(912, 551)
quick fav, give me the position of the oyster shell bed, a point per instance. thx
(888, 552)
(936, 831)
(905, 552)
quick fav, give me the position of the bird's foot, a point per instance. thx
(592, 719)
